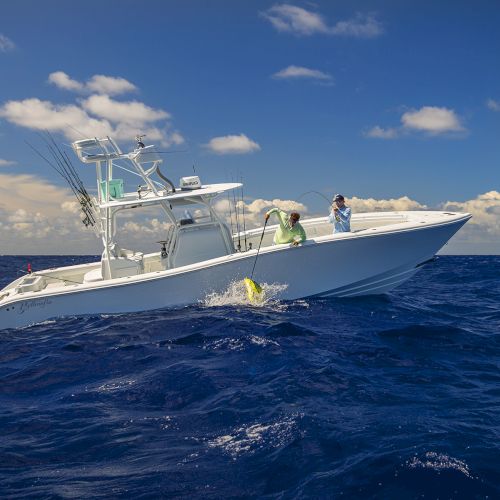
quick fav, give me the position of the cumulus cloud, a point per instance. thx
(299, 21)
(432, 120)
(493, 105)
(382, 133)
(485, 210)
(6, 163)
(393, 204)
(255, 209)
(110, 85)
(117, 111)
(69, 119)
(300, 72)
(232, 144)
(6, 44)
(97, 115)
(63, 81)
(32, 214)
(100, 84)
(32, 194)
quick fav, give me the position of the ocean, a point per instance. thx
(393, 396)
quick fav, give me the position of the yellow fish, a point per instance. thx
(254, 291)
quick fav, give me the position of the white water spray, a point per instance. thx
(236, 295)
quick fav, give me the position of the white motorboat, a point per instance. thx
(199, 254)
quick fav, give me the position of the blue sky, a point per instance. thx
(379, 99)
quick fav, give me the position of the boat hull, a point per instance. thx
(348, 266)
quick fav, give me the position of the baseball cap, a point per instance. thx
(338, 197)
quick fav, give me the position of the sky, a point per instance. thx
(394, 104)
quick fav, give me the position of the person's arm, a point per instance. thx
(344, 216)
(302, 234)
(283, 219)
(334, 215)
(271, 212)
(282, 216)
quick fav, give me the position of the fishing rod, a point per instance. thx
(35, 273)
(318, 193)
(258, 250)
(74, 179)
(65, 169)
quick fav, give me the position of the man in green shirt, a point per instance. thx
(289, 230)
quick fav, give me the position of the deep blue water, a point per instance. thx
(396, 396)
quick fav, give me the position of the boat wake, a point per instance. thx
(236, 295)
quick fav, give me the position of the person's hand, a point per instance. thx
(336, 209)
(295, 243)
(266, 217)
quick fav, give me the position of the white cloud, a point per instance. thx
(493, 105)
(360, 27)
(126, 112)
(98, 115)
(393, 204)
(485, 210)
(299, 21)
(6, 44)
(32, 194)
(68, 119)
(100, 84)
(110, 85)
(232, 144)
(255, 210)
(32, 214)
(6, 163)
(63, 81)
(150, 226)
(432, 119)
(382, 133)
(296, 72)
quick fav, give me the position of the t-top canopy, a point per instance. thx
(179, 198)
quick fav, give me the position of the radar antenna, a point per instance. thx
(138, 139)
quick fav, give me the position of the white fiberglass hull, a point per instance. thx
(371, 261)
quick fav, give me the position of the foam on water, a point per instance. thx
(241, 343)
(248, 439)
(439, 462)
(236, 295)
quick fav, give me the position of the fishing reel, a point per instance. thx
(164, 253)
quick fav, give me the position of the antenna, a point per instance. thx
(237, 219)
(138, 139)
(243, 210)
(230, 213)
